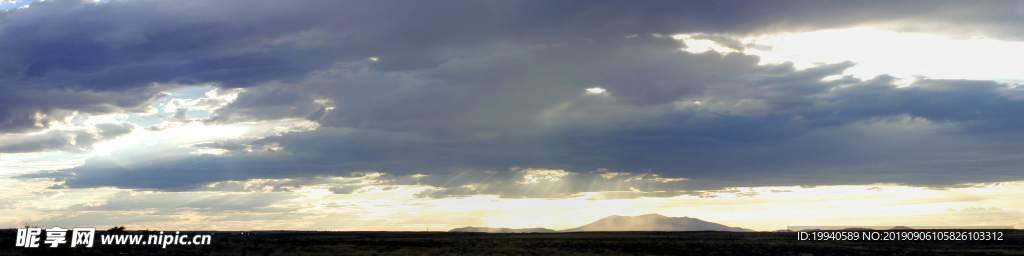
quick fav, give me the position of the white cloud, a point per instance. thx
(535, 176)
(595, 91)
(879, 52)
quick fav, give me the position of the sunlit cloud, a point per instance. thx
(596, 91)
(877, 51)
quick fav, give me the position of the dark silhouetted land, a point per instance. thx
(583, 243)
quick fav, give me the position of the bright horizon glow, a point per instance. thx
(398, 208)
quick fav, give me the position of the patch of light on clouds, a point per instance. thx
(24, 163)
(534, 176)
(7, 5)
(699, 44)
(195, 98)
(196, 102)
(164, 131)
(199, 101)
(876, 52)
(595, 91)
(171, 138)
(210, 151)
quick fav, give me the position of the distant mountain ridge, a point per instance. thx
(653, 222)
(647, 222)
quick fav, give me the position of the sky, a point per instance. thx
(413, 115)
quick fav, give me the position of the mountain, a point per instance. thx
(653, 222)
(648, 222)
(501, 230)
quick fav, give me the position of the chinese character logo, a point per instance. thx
(55, 236)
(28, 237)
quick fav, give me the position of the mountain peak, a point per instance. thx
(653, 222)
(652, 215)
(646, 222)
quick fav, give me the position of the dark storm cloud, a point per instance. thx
(96, 58)
(28, 109)
(240, 43)
(80, 46)
(475, 86)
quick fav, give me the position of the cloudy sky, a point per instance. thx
(408, 115)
